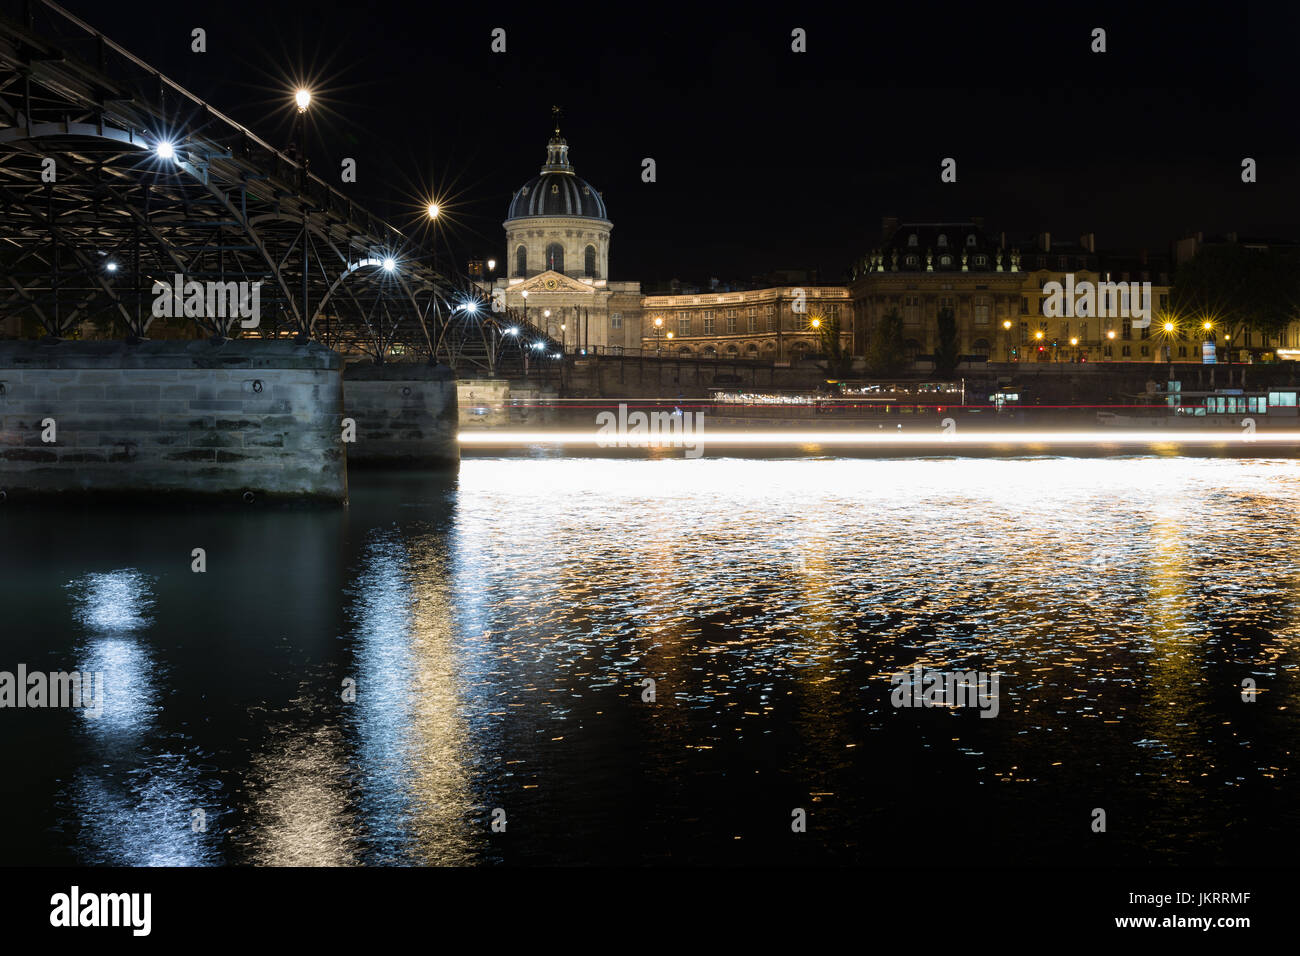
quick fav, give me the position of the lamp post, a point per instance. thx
(432, 211)
(1006, 335)
(524, 293)
(1074, 347)
(659, 327)
(302, 99)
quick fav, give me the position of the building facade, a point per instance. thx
(919, 269)
(557, 261)
(1010, 300)
(773, 325)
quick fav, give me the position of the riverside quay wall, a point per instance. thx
(402, 415)
(1040, 383)
(236, 418)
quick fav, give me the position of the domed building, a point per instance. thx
(557, 222)
(557, 260)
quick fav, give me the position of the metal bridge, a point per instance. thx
(114, 180)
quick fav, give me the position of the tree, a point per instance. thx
(1237, 288)
(946, 355)
(886, 354)
(838, 361)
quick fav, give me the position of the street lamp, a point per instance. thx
(303, 99)
(659, 326)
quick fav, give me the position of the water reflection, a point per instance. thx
(135, 795)
(499, 633)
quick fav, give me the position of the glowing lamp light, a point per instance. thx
(1038, 335)
(1169, 326)
(165, 150)
(471, 306)
(1074, 341)
(1006, 324)
(1110, 334)
(111, 266)
(492, 264)
(432, 210)
(659, 322)
(390, 264)
(512, 331)
(303, 99)
(1207, 325)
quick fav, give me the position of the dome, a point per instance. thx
(557, 190)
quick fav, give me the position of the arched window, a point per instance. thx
(943, 241)
(970, 240)
(945, 260)
(554, 257)
(589, 262)
(911, 240)
(521, 261)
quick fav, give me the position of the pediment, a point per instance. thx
(551, 281)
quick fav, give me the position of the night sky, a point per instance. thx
(766, 158)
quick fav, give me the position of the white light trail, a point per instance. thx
(705, 438)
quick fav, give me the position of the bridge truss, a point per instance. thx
(114, 180)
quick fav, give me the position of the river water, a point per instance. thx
(497, 627)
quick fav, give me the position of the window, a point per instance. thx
(1024, 333)
(589, 262)
(1024, 305)
(731, 321)
(1126, 329)
(616, 320)
(1282, 399)
(521, 261)
(970, 240)
(943, 241)
(911, 241)
(911, 260)
(981, 260)
(981, 311)
(753, 321)
(945, 260)
(708, 322)
(912, 309)
(1146, 350)
(555, 257)
(1126, 350)
(683, 324)
(771, 318)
